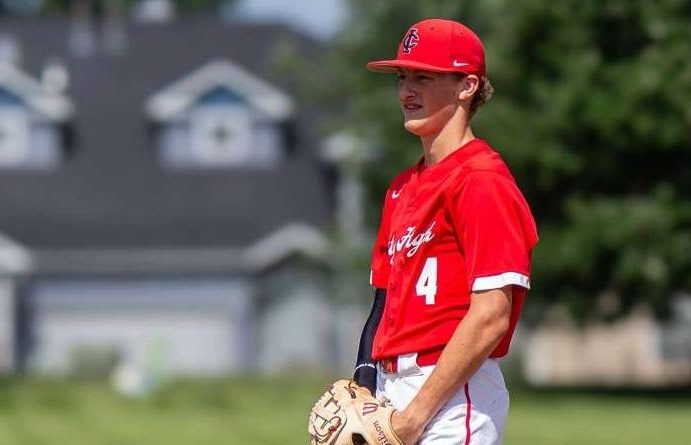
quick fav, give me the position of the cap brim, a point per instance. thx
(392, 66)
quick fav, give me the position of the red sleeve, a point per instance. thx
(495, 229)
(379, 273)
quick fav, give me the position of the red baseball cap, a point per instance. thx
(437, 45)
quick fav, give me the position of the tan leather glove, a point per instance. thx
(347, 414)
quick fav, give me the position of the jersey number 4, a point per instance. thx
(427, 283)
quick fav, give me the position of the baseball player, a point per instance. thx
(451, 267)
(451, 262)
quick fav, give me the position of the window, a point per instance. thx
(14, 135)
(26, 141)
(221, 134)
(220, 130)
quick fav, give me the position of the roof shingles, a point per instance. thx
(114, 192)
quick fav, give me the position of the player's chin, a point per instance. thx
(415, 126)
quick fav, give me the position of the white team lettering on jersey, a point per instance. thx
(410, 241)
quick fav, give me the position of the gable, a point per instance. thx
(31, 122)
(219, 116)
(111, 191)
(216, 80)
(18, 87)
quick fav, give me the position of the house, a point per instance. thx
(163, 203)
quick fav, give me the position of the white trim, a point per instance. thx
(174, 100)
(14, 257)
(499, 281)
(54, 106)
(291, 238)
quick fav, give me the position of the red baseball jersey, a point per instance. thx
(456, 227)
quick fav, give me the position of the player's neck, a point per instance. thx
(452, 137)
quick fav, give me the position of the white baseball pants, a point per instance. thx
(475, 415)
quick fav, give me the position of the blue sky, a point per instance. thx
(319, 17)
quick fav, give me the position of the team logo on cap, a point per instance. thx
(410, 40)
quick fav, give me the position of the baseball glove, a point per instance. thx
(347, 414)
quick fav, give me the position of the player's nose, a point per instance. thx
(405, 92)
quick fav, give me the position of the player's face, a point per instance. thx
(428, 100)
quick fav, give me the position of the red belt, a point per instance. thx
(424, 358)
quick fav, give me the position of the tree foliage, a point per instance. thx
(592, 111)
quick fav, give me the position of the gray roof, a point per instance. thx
(113, 192)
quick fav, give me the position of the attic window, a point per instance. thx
(14, 136)
(220, 130)
(221, 134)
(29, 140)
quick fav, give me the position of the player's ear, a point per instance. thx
(468, 85)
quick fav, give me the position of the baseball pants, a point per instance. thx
(475, 415)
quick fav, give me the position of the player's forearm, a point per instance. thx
(471, 344)
(365, 373)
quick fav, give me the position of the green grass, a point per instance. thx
(256, 412)
(568, 418)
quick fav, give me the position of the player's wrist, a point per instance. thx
(406, 428)
(365, 365)
(415, 419)
(365, 374)
(419, 413)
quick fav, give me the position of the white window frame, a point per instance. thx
(15, 142)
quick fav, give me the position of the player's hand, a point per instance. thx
(405, 428)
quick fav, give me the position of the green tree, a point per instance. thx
(592, 110)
